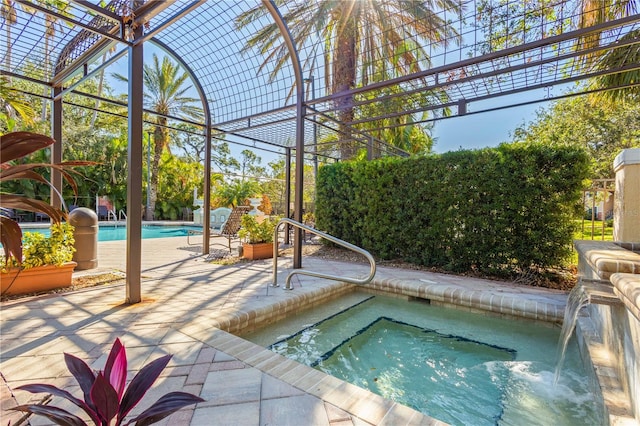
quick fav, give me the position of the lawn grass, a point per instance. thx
(592, 231)
(589, 233)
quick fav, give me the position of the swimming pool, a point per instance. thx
(456, 366)
(119, 232)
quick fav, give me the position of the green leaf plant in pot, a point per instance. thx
(107, 400)
(257, 237)
(37, 263)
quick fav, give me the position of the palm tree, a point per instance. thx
(236, 192)
(615, 58)
(9, 12)
(12, 107)
(10, 16)
(362, 39)
(165, 94)
(50, 22)
(596, 12)
(94, 117)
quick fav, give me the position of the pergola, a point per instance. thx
(484, 50)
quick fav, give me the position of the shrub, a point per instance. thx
(494, 210)
(255, 232)
(39, 250)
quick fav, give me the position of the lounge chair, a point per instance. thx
(230, 227)
(187, 214)
(219, 217)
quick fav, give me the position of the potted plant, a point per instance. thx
(46, 262)
(106, 397)
(38, 258)
(257, 237)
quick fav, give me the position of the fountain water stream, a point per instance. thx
(578, 298)
(584, 293)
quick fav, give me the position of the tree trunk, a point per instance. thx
(43, 116)
(159, 137)
(344, 76)
(10, 18)
(8, 57)
(100, 86)
(49, 33)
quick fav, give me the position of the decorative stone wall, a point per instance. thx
(627, 287)
(626, 209)
(611, 333)
(598, 260)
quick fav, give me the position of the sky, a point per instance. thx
(472, 131)
(489, 129)
(482, 130)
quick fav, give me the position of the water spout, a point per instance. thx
(584, 293)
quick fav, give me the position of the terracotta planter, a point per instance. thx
(33, 280)
(257, 251)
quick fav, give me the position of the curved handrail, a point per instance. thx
(331, 238)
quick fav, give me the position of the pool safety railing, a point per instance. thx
(122, 215)
(331, 238)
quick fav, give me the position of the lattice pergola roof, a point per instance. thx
(489, 50)
(408, 62)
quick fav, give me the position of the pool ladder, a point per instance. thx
(331, 238)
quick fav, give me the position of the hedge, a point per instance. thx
(498, 210)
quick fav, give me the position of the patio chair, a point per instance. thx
(230, 227)
(41, 217)
(10, 213)
(105, 208)
(103, 213)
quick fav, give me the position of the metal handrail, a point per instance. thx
(331, 238)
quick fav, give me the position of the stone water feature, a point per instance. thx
(584, 293)
(609, 333)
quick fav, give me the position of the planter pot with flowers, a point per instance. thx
(46, 263)
(38, 258)
(257, 237)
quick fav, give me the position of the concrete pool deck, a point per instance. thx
(190, 306)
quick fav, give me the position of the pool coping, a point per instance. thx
(511, 305)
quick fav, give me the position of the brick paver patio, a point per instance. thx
(188, 307)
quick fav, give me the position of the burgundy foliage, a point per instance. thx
(106, 396)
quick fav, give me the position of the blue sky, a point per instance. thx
(481, 130)
(489, 129)
(472, 131)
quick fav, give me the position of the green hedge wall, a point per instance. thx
(496, 210)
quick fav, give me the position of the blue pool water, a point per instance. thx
(119, 232)
(459, 367)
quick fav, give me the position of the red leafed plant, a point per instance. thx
(14, 146)
(106, 396)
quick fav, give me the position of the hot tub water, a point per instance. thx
(458, 367)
